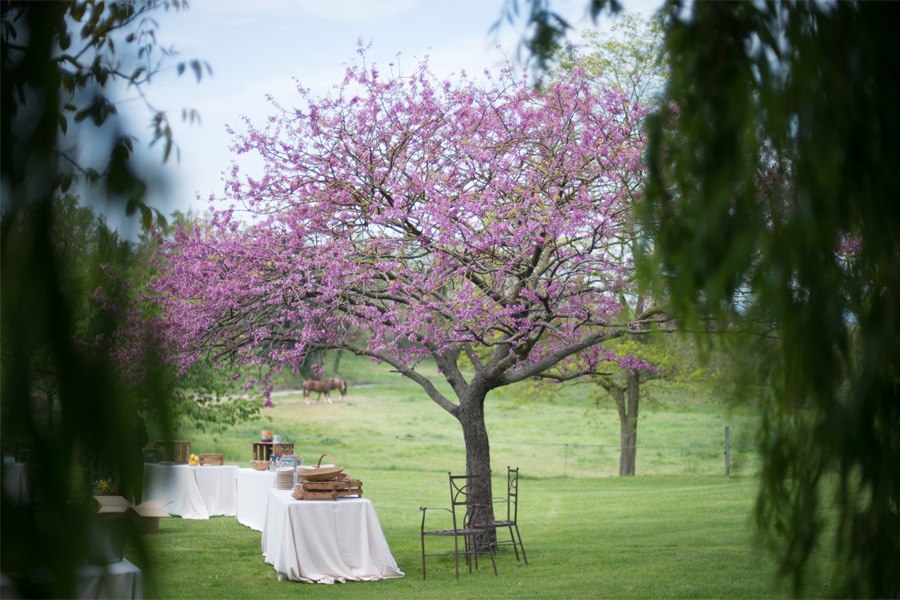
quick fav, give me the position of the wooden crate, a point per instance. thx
(178, 451)
(263, 450)
(212, 459)
(328, 490)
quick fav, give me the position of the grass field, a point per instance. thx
(680, 529)
(387, 422)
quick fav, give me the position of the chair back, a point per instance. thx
(462, 489)
(512, 494)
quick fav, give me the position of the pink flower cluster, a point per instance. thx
(405, 217)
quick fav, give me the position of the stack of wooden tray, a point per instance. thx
(328, 490)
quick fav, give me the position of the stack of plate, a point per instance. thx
(284, 478)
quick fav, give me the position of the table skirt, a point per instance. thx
(321, 541)
(251, 495)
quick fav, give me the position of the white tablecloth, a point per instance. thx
(196, 492)
(251, 496)
(216, 484)
(325, 541)
(17, 482)
(118, 580)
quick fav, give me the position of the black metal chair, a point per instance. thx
(470, 521)
(512, 513)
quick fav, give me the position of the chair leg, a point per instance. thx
(456, 554)
(423, 556)
(493, 562)
(515, 546)
(521, 544)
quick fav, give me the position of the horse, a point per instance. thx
(324, 386)
(337, 383)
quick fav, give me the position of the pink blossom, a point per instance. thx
(405, 217)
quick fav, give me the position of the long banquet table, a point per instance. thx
(196, 492)
(322, 541)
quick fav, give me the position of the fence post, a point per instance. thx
(727, 451)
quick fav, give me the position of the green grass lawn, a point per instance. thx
(643, 537)
(680, 529)
(387, 422)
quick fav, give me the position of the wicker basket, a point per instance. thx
(260, 465)
(321, 473)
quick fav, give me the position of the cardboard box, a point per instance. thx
(149, 512)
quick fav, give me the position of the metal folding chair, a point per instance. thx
(470, 521)
(512, 513)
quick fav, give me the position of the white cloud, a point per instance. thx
(355, 10)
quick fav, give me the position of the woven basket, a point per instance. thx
(321, 473)
(260, 465)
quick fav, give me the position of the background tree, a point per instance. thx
(59, 62)
(772, 179)
(629, 58)
(404, 218)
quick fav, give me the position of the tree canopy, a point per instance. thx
(405, 218)
(436, 216)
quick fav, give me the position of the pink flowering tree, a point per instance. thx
(405, 218)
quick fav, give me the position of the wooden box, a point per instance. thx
(212, 459)
(263, 450)
(178, 452)
(328, 490)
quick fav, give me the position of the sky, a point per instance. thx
(269, 46)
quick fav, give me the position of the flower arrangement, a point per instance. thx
(104, 487)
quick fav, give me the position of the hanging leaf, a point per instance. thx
(195, 65)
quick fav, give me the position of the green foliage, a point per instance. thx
(769, 207)
(772, 210)
(546, 28)
(208, 399)
(65, 396)
(631, 57)
(95, 48)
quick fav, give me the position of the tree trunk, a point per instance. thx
(337, 361)
(628, 421)
(478, 454)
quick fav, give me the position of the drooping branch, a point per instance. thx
(409, 373)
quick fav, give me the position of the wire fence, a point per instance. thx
(713, 456)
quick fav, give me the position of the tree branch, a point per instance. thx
(550, 360)
(409, 373)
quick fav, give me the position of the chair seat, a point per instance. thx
(453, 532)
